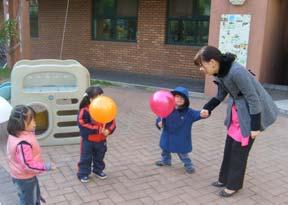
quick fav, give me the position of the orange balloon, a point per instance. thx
(103, 109)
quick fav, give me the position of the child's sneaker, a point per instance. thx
(160, 163)
(101, 175)
(84, 179)
(190, 170)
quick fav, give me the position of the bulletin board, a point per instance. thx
(234, 35)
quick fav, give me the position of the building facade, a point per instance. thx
(157, 37)
(130, 35)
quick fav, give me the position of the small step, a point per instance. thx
(277, 92)
(283, 106)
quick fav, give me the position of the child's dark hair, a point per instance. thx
(19, 115)
(91, 92)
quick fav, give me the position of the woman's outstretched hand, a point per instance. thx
(204, 113)
(254, 134)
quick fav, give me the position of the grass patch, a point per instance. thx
(100, 83)
(5, 73)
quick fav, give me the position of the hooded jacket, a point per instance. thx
(176, 133)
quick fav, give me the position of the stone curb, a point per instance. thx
(275, 87)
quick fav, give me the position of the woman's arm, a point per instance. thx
(211, 104)
(215, 101)
(221, 92)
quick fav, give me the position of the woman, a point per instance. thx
(250, 110)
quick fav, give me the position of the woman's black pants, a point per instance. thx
(234, 163)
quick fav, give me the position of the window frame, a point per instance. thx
(114, 23)
(195, 18)
(34, 17)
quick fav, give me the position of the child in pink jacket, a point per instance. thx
(24, 155)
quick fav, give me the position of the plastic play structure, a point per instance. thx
(54, 88)
(5, 90)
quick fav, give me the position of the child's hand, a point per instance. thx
(160, 124)
(53, 166)
(204, 113)
(101, 130)
(106, 132)
(50, 166)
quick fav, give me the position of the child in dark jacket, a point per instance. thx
(93, 138)
(176, 131)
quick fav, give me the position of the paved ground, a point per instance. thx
(164, 81)
(133, 177)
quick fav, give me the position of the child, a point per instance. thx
(176, 134)
(93, 138)
(24, 155)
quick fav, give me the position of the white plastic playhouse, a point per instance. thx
(54, 88)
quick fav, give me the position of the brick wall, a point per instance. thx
(149, 54)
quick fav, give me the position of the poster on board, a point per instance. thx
(234, 35)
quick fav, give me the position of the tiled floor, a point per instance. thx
(133, 177)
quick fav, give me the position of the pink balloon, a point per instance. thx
(162, 103)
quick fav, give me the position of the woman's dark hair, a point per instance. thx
(91, 92)
(19, 115)
(208, 53)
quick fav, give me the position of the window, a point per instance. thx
(188, 22)
(114, 20)
(33, 10)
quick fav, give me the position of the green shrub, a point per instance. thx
(100, 83)
(5, 73)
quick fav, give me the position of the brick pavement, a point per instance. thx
(133, 177)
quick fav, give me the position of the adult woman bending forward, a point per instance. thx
(250, 110)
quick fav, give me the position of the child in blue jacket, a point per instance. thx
(176, 131)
